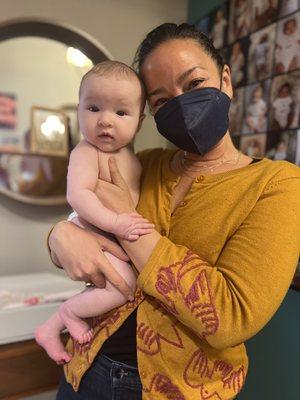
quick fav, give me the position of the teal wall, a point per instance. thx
(199, 8)
(274, 353)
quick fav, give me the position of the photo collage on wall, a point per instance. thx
(260, 41)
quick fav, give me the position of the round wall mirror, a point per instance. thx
(41, 68)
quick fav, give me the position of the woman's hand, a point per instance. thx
(80, 253)
(116, 195)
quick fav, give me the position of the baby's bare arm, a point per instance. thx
(81, 182)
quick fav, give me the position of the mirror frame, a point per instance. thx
(63, 33)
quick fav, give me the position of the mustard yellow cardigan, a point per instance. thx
(218, 274)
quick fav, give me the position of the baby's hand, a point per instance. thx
(131, 226)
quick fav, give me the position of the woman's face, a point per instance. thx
(178, 66)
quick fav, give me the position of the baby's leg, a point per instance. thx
(94, 301)
(47, 335)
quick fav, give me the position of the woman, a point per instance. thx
(220, 260)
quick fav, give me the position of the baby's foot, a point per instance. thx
(78, 328)
(48, 337)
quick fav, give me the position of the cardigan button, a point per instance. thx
(183, 203)
(163, 232)
(200, 178)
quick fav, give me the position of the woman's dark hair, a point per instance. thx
(169, 31)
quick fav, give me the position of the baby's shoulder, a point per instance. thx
(84, 147)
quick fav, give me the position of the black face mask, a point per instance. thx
(195, 121)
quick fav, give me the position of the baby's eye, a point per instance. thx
(93, 108)
(195, 83)
(121, 113)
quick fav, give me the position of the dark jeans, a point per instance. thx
(105, 380)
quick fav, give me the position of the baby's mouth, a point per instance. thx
(105, 135)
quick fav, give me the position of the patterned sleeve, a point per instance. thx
(227, 303)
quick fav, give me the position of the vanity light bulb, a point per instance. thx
(77, 58)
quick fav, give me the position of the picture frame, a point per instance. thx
(49, 134)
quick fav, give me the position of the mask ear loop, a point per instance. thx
(221, 79)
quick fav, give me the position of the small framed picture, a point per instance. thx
(238, 56)
(253, 145)
(218, 31)
(264, 12)
(239, 19)
(8, 111)
(284, 111)
(261, 52)
(49, 132)
(287, 46)
(256, 108)
(282, 145)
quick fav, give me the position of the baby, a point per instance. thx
(288, 47)
(110, 113)
(256, 120)
(283, 108)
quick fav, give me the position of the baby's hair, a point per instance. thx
(114, 68)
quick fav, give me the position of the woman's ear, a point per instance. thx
(226, 81)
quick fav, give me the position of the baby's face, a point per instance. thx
(284, 91)
(290, 27)
(257, 95)
(109, 111)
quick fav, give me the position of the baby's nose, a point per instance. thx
(104, 121)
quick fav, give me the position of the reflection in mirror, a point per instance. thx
(39, 82)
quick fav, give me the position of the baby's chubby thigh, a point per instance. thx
(126, 271)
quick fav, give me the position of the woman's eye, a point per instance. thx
(160, 102)
(121, 113)
(195, 83)
(93, 108)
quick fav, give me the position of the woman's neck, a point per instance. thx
(223, 157)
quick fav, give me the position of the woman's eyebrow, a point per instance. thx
(185, 74)
(180, 79)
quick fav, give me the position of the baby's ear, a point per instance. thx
(142, 117)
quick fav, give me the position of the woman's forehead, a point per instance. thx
(171, 59)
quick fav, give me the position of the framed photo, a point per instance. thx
(237, 59)
(261, 54)
(264, 12)
(256, 108)
(8, 111)
(287, 47)
(282, 146)
(239, 19)
(49, 132)
(284, 102)
(218, 31)
(253, 145)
